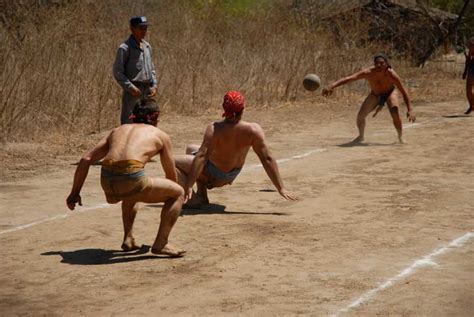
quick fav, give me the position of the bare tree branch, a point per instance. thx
(422, 60)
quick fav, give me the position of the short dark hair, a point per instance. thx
(146, 111)
(384, 57)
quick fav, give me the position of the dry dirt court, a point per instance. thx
(383, 229)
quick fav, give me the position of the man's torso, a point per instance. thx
(230, 144)
(138, 64)
(134, 142)
(380, 82)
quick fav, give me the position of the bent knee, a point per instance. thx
(111, 200)
(191, 148)
(177, 190)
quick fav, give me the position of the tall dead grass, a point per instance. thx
(56, 60)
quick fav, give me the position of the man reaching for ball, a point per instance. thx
(382, 80)
(222, 154)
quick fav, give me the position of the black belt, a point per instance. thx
(142, 84)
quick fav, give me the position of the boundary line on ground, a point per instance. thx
(283, 160)
(31, 224)
(427, 260)
(250, 167)
(100, 206)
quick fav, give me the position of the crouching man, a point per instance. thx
(125, 151)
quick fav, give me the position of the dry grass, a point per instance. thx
(56, 64)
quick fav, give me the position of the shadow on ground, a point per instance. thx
(101, 256)
(210, 209)
(457, 116)
(356, 144)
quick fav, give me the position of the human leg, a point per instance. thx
(469, 93)
(128, 103)
(129, 212)
(367, 106)
(393, 105)
(183, 164)
(172, 194)
(192, 148)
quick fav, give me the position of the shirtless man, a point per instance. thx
(125, 151)
(221, 156)
(468, 75)
(382, 80)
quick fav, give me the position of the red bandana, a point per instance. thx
(233, 102)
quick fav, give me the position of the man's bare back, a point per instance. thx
(231, 143)
(223, 151)
(147, 141)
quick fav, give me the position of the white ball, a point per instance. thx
(311, 82)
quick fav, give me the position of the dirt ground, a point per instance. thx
(374, 233)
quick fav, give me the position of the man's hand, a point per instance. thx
(327, 91)
(153, 92)
(72, 200)
(136, 92)
(411, 117)
(188, 194)
(287, 195)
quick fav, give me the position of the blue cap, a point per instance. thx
(138, 20)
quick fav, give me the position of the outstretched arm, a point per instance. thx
(356, 76)
(269, 164)
(97, 153)
(398, 83)
(199, 161)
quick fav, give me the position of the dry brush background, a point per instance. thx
(56, 59)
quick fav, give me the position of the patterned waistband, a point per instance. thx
(122, 167)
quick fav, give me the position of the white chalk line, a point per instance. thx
(283, 160)
(82, 209)
(427, 260)
(34, 223)
(250, 167)
(410, 125)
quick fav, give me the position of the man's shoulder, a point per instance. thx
(128, 43)
(158, 132)
(391, 71)
(364, 73)
(146, 43)
(369, 70)
(124, 46)
(251, 127)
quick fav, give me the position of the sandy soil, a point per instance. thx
(366, 214)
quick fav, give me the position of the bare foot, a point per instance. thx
(130, 245)
(402, 140)
(196, 202)
(358, 140)
(468, 111)
(169, 250)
